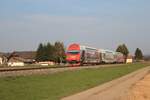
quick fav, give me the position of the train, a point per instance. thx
(80, 55)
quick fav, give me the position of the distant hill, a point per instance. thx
(1, 53)
(23, 54)
(147, 57)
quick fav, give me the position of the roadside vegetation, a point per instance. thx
(58, 85)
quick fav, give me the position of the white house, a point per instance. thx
(46, 63)
(21, 58)
(15, 64)
(15, 61)
(129, 59)
(1, 60)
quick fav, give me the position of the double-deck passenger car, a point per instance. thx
(79, 54)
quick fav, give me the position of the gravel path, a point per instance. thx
(118, 89)
(141, 90)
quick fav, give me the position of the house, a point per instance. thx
(21, 58)
(15, 64)
(3, 58)
(129, 59)
(46, 63)
(15, 61)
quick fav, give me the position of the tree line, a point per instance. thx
(124, 50)
(51, 52)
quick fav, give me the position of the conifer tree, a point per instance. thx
(123, 49)
(138, 54)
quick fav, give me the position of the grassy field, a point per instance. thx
(55, 86)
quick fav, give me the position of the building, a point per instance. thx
(46, 63)
(16, 61)
(129, 59)
(21, 58)
(3, 58)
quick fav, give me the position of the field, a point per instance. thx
(55, 86)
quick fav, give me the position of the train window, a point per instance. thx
(73, 52)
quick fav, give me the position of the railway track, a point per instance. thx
(7, 69)
(29, 68)
(24, 71)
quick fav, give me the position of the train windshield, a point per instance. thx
(73, 52)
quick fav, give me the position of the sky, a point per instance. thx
(97, 23)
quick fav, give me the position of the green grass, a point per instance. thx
(55, 86)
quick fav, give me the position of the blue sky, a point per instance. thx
(98, 23)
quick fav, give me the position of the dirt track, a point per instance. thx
(141, 90)
(134, 86)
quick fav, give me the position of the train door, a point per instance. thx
(82, 56)
(100, 57)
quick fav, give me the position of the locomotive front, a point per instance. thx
(73, 54)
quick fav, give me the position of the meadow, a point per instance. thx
(58, 85)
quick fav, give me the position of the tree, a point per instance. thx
(39, 52)
(138, 54)
(45, 52)
(50, 51)
(59, 51)
(123, 49)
